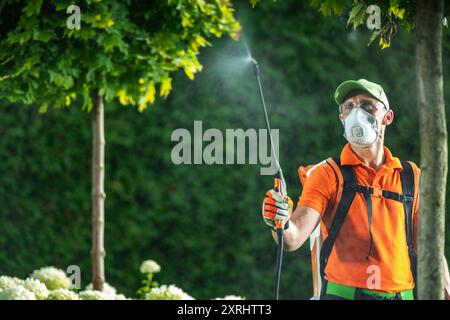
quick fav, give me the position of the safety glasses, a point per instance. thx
(370, 107)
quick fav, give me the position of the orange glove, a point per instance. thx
(276, 208)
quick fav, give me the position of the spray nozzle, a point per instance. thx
(255, 63)
(252, 60)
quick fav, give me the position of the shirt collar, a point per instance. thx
(348, 157)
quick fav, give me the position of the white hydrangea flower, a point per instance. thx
(9, 282)
(38, 288)
(62, 294)
(95, 295)
(52, 277)
(17, 293)
(230, 297)
(165, 292)
(107, 288)
(120, 297)
(150, 266)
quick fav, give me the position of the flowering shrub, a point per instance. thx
(107, 288)
(165, 292)
(52, 277)
(94, 295)
(12, 288)
(38, 288)
(108, 293)
(62, 294)
(50, 283)
(121, 297)
(9, 282)
(150, 266)
(231, 297)
(17, 293)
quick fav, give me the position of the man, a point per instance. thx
(370, 253)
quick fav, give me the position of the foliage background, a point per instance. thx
(201, 223)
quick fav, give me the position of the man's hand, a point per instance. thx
(276, 208)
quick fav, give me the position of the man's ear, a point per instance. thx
(388, 118)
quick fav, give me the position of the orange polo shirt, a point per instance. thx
(388, 265)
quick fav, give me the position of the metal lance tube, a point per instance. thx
(280, 185)
(279, 173)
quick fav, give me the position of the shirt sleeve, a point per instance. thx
(318, 189)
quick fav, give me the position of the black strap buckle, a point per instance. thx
(408, 199)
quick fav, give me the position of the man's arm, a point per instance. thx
(303, 221)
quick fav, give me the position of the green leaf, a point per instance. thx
(32, 8)
(43, 35)
(18, 37)
(61, 81)
(330, 7)
(357, 15)
(43, 108)
(373, 36)
(254, 2)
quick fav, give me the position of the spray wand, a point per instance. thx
(280, 185)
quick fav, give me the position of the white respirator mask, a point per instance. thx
(360, 128)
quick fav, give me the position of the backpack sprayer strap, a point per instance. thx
(408, 186)
(370, 192)
(350, 188)
(348, 195)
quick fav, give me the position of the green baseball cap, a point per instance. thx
(346, 87)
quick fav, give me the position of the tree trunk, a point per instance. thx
(98, 193)
(433, 139)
